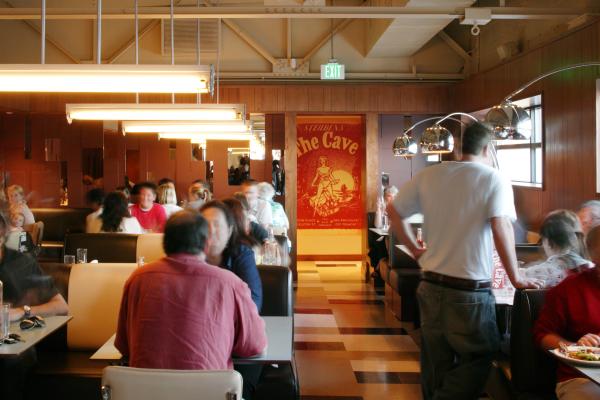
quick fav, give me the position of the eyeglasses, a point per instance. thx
(35, 321)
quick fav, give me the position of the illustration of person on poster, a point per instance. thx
(329, 172)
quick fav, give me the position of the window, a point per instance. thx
(521, 160)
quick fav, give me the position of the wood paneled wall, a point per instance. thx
(569, 116)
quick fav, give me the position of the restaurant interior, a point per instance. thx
(325, 108)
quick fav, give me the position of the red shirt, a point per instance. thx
(571, 310)
(153, 219)
(181, 313)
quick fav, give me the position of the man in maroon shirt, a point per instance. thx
(571, 315)
(151, 216)
(182, 313)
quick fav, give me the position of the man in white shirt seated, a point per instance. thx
(260, 211)
(95, 198)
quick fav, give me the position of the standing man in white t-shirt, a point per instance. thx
(468, 207)
(260, 211)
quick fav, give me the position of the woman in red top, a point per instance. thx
(571, 315)
(151, 216)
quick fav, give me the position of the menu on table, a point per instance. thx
(503, 290)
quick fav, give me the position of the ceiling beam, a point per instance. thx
(338, 28)
(261, 12)
(356, 76)
(49, 38)
(454, 46)
(251, 42)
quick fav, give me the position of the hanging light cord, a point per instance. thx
(172, 44)
(198, 95)
(219, 61)
(137, 43)
(331, 24)
(43, 34)
(99, 33)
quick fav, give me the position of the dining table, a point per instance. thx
(31, 337)
(280, 334)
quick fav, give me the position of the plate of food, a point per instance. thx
(581, 355)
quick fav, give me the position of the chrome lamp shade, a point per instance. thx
(404, 146)
(509, 121)
(437, 140)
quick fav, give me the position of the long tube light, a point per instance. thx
(105, 78)
(203, 137)
(155, 112)
(185, 126)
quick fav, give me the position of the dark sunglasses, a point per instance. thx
(11, 339)
(35, 321)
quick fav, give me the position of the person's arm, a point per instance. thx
(250, 335)
(55, 306)
(403, 231)
(245, 268)
(504, 239)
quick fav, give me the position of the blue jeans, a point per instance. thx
(459, 339)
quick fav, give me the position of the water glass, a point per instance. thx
(81, 256)
(5, 317)
(385, 222)
(69, 260)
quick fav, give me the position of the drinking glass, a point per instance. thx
(140, 261)
(81, 256)
(385, 222)
(68, 259)
(5, 317)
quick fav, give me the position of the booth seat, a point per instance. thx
(116, 247)
(60, 221)
(529, 372)
(93, 291)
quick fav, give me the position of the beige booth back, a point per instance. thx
(150, 246)
(95, 292)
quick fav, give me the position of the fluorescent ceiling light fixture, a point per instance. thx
(155, 112)
(185, 127)
(203, 137)
(105, 78)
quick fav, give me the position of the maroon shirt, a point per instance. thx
(181, 313)
(153, 219)
(571, 310)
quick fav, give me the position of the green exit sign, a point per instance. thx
(332, 70)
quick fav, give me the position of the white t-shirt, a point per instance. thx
(263, 213)
(171, 209)
(458, 199)
(128, 225)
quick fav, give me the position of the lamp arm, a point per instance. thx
(547, 74)
(454, 119)
(431, 119)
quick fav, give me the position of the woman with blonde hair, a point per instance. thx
(167, 197)
(198, 195)
(17, 203)
(564, 245)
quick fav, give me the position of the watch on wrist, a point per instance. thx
(27, 311)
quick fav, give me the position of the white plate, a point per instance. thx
(559, 354)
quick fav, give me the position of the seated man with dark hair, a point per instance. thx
(29, 292)
(94, 198)
(182, 313)
(571, 315)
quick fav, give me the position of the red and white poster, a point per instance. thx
(330, 159)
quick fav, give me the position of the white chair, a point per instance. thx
(125, 383)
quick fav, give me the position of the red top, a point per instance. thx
(571, 310)
(153, 219)
(181, 313)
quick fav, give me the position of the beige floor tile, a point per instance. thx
(325, 373)
(385, 366)
(309, 337)
(315, 320)
(402, 343)
(364, 316)
(375, 391)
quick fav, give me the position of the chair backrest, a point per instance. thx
(125, 383)
(95, 292)
(60, 221)
(533, 371)
(37, 233)
(277, 291)
(150, 246)
(104, 247)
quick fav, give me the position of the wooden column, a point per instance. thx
(373, 180)
(290, 162)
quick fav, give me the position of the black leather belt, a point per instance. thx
(455, 283)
